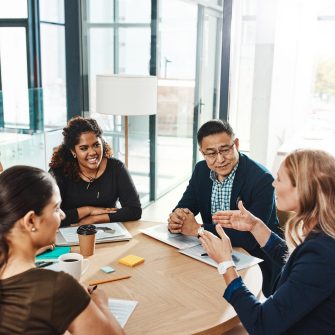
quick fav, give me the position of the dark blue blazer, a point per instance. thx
(252, 184)
(304, 300)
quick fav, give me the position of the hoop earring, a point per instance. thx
(33, 229)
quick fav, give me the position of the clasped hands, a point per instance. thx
(96, 215)
(182, 220)
(102, 210)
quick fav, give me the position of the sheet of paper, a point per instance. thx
(241, 260)
(122, 309)
(69, 234)
(179, 241)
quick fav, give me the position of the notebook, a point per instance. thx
(52, 255)
(68, 235)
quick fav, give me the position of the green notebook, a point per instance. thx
(53, 254)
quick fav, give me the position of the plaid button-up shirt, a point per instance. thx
(221, 191)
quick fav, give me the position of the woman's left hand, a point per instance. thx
(217, 248)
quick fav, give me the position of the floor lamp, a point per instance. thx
(127, 96)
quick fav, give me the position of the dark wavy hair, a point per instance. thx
(62, 156)
(22, 189)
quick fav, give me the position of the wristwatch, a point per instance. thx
(201, 230)
(224, 266)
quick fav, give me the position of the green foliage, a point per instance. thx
(325, 78)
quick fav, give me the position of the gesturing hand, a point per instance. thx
(217, 248)
(240, 219)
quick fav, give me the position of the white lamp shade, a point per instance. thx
(126, 95)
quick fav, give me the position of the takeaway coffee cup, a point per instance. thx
(86, 235)
(73, 264)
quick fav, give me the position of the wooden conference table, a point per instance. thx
(176, 294)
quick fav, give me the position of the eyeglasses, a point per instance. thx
(224, 152)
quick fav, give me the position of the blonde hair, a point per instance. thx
(313, 173)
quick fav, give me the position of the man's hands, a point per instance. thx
(182, 220)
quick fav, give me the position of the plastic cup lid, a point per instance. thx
(87, 229)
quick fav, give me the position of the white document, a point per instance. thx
(241, 260)
(68, 235)
(122, 309)
(179, 241)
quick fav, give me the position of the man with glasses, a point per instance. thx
(218, 183)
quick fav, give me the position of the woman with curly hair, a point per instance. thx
(303, 301)
(90, 180)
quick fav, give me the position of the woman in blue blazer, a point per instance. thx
(303, 301)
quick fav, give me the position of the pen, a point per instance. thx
(90, 290)
(204, 254)
(43, 264)
(97, 282)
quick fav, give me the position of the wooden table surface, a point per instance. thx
(176, 294)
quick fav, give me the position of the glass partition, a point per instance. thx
(114, 48)
(53, 74)
(243, 41)
(177, 66)
(282, 93)
(13, 9)
(118, 41)
(14, 77)
(52, 10)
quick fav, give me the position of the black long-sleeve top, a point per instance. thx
(114, 184)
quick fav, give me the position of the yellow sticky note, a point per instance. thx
(131, 260)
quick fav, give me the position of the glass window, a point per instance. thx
(53, 74)
(209, 68)
(13, 9)
(177, 31)
(100, 11)
(101, 57)
(134, 50)
(282, 80)
(52, 10)
(116, 49)
(130, 12)
(243, 40)
(306, 117)
(13, 60)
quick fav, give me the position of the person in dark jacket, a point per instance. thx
(304, 298)
(225, 176)
(90, 180)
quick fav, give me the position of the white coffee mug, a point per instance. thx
(73, 264)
